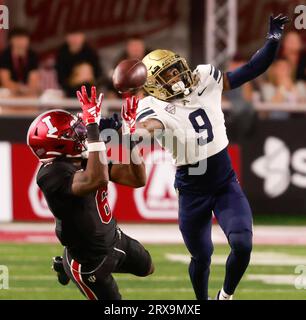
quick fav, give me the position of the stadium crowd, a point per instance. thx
(76, 62)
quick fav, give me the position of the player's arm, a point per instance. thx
(148, 126)
(261, 60)
(132, 174)
(139, 130)
(95, 175)
(132, 123)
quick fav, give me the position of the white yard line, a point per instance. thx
(24, 227)
(257, 258)
(160, 233)
(286, 279)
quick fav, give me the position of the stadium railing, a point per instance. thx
(115, 105)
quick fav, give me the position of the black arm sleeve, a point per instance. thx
(258, 64)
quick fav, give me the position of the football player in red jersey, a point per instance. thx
(76, 193)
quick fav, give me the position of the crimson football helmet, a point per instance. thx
(57, 133)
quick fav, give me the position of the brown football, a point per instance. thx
(129, 75)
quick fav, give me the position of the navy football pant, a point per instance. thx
(234, 216)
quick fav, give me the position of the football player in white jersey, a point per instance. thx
(186, 106)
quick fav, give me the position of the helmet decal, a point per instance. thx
(56, 133)
(47, 121)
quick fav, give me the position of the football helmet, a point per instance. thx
(169, 75)
(57, 133)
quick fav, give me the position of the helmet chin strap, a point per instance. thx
(180, 87)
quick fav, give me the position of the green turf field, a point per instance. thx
(32, 278)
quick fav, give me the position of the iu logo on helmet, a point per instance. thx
(47, 121)
(158, 200)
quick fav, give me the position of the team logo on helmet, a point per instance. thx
(57, 133)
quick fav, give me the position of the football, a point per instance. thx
(129, 75)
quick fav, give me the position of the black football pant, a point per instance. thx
(96, 282)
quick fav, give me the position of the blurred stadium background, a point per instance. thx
(52, 47)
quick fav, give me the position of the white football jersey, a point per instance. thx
(194, 125)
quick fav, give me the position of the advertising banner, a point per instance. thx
(156, 202)
(274, 168)
(5, 183)
(271, 166)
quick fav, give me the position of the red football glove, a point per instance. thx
(91, 109)
(128, 114)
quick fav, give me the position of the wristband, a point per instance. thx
(96, 146)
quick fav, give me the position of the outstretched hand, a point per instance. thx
(91, 109)
(128, 114)
(276, 26)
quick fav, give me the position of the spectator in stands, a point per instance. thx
(281, 87)
(77, 64)
(135, 48)
(19, 65)
(292, 50)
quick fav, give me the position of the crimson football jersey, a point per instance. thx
(84, 224)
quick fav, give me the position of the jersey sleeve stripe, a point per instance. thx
(211, 69)
(220, 76)
(145, 114)
(143, 110)
(216, 74)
